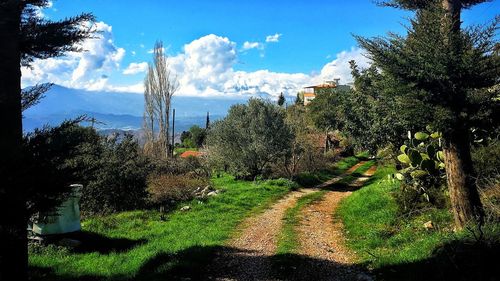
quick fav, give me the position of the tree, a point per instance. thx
(198, 135)
(25, 37)
(195, 137)
(207, 123)
(281, 99)
(299, 100)
(251, 138)
(304, 152)
(116, 178)
(160, 85)
(448, 64)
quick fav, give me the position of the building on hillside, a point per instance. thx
(310, 92)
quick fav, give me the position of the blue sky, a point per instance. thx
(307, 41)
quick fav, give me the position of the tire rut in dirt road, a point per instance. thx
(321, 238)
(248, 256)
(338, 178)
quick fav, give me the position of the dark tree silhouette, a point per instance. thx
(281, 99)
(25, 37)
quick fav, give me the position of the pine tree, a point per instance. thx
(298, 100)
(449, 64)
(281, 99)
(207, 124)
(25, 37)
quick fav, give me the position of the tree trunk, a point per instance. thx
(465, 201)
(13, 220)
(453, 9)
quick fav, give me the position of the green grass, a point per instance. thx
(370, 219)
(399, 248)
(142, 247)
(347, 179)
(288, 243)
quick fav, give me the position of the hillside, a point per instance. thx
(118, 110)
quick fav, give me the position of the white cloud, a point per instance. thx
(252, 45)
(339, 67)
(89, 69)
(273, 38)
(205, 67)
(135, 68)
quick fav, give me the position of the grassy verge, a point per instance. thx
(402, 249)
(137, 245)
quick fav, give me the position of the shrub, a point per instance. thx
(118, 182)
(167, 189)
(54, 158)
(195, 166)
(486, 161)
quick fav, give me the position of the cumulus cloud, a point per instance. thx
(339, 67)
(135, 68)
(252, 45)
(89, 69)
(273, 38)
(204, 67)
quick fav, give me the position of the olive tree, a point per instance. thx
(250, 139)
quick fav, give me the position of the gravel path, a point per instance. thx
(321, 239)
(322, 254)
(321, 236)
(247, 257)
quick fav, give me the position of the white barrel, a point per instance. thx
(66, 219)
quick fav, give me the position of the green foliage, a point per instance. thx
(377, 112)
(42, 38)
(117, 181)
(423, 175)
(304, 156)
(194, 138)
(486, 161)
(450, 69)
(251, 138)
(299, 100)
(56, 157)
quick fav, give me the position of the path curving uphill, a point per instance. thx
(321, 255)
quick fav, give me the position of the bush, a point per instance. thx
(486, 161)
(167, 189)
(194, 166)
(118, 181)
(55, 158)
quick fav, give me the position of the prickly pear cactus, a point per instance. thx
(423, 162)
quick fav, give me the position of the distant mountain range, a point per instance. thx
(122, 111)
